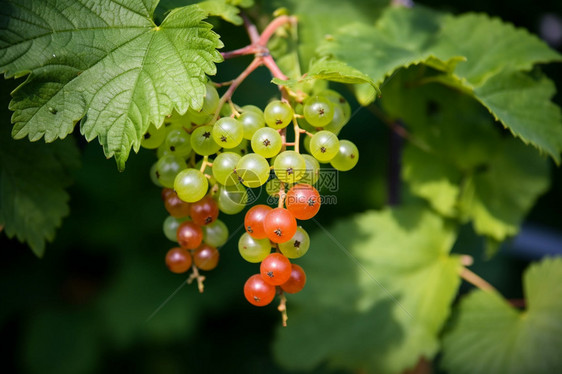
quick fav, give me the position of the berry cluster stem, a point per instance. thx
(283, 308)
(204, 164)
(257, 47)
(282, 195)
(235, 83)
(200, 278)
(297, 134)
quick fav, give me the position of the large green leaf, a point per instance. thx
(465, 169)
(225, 9)
(481, 56)
(490, 46)
(400, 38)
(33, 178)
(321, 19)
(490, 336)
(105, 63)
(379, 289)
(523, 103)
(330, 70)
(498, 197)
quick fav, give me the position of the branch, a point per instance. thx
(476, 280)
(247, 50)
(269, 62)
(251, 29)
(273, 26)
(258, 47)
(235, 83)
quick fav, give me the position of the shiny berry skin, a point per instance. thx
(253, 221)
(166, 192)
(206, 257)
(258, 292)
(280, 225)
(174, 205)
(189, 235)
(178, 260)
(296, 281)
(303, 201)
(204, 211)
(275, 269)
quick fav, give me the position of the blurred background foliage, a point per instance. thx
(101, 299)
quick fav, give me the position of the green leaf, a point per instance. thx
(488, 335)
(432, 178)
(522, 104)
(490, 47)
(226, 9)
(320, 19)
(498, 198)
(106, 64)
(459, 162)
(330, 70)
(481, 56)
(401, 38)
(33, 178)
(387, 280)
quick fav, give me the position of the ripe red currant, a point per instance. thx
(253, 221)
(258, 292)
(275, 269)
(280, 225)
(303, 201)
(206, 257)
(178, 260)
(174, 205)
(296, 281)
(189, 235)
(204, 211)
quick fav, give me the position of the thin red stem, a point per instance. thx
(251, 29)
(258, 47)
(273, 26)
(272, 66)
(235, 83)
(247, 50)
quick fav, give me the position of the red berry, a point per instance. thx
(166, 192)
(174, 205)
(258, 292)
(204, 211)
(253, 221)
(280, 225)
(178, 260)
(189, 235)
(296, 281)
(206, 257)
(275, 269)
(303, 201)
